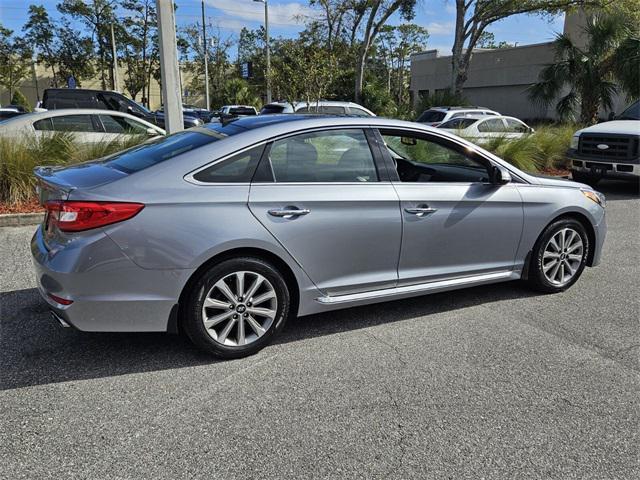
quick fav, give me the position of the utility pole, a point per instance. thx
(114, 56)
(169, 71)
(267, 48)
(206, 60)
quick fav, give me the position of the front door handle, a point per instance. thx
(288, 212)
(421, 210)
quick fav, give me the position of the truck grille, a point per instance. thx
(620, 148)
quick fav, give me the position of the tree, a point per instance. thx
(376, 14)
(97, 15)
(15, 60)
(488, 40)
(474, 16)
(138, 49)
(590, 73)
(19, 99)
(40, 33)
(74, 53)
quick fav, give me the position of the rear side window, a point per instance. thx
(164, 148)
(43, 125)
(116, 124)
(458, 123)
(358, 112)
(332, 110)
(237, 169)
(73, 123)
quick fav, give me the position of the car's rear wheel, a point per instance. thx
(559, 256)
(236, 307)
(587, 178)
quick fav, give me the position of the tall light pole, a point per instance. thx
(268, 50)
(114, 56)
(169, 67)
(206, 60)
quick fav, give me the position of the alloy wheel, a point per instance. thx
(239, 308)
(562, 256)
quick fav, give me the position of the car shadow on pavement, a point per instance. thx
(619, 190)
(35, 350)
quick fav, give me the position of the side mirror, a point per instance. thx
(152, 132)
(500, 175)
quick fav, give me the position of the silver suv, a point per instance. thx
(225, 231)
(435, 116)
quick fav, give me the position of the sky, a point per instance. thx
(287, 17)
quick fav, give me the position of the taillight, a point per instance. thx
(72, 216)
(60, 300)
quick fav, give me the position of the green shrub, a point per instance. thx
(18, 158)
(544, 149)
(440, 99)
(19, 99)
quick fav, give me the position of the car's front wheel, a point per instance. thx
(559, 256)
(236, 307)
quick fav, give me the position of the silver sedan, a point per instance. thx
(223, 232)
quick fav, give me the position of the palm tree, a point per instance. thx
(608, 64)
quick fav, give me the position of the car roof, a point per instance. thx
(470, 107)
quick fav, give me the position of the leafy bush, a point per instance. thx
(445, 98)
(544, 149)
(19, 99)
(18, 158)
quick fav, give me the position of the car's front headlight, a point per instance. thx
(575, 140)
(594, 196)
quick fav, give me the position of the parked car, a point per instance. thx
(326, 107)
(86, 125)
(224, 231)
(196, 112)
(8, 112)
(55, 98)
(608, 149)
(482, 128)
(434, 116)
(231, 112)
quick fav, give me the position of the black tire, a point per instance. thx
(536, 278)
(193, 313)
(582, 177)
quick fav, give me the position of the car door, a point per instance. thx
(455, 221)
(332, 208)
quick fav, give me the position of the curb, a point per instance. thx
(20, 219)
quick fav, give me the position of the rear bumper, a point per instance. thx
(109, 292)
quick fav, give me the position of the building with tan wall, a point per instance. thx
(499, 78)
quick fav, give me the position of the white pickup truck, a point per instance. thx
(608, 150)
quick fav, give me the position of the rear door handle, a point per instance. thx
(288, 212)
(421, 210)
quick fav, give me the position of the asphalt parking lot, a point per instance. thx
(489, 382)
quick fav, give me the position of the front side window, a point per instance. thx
(494, 125)
(116, 124)
(332, 110)
(458, 123)
(359, 112)
(514, 126)
(236, 169)
(328, 156)
(73, 123)
(421, 159)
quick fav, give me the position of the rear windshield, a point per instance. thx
(267, 109)
(458, 123)
(242, 111)
(157, 151)
(431, 116)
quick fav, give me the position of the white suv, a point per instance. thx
(327, 107)
(437, 115)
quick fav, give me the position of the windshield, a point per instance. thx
(431, 116)
(631, 113)
(458, 123)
